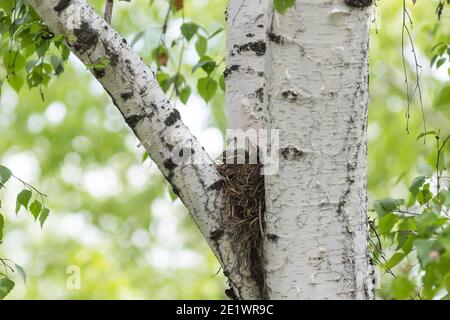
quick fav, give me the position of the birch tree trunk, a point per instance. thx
(317, 91)
(304, 73)
(244, 76)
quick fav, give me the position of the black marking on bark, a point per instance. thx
(260, 94)
(343, 201)
(261, 74)
(86, 37)
(216, 235)
(129, 68)
(231, 294)
(230, 69)
(276, 38)
(291, 153)
(173, 117)
(112, 55)
(127, 95)
(257, 271)
(133, 120)
(250, 35)
(168, 146)
(62, 5)
(358, 3)
(169, 164)
(260, 26)
(258, 47)
(272, 237)
(216, 185)
(289, 95)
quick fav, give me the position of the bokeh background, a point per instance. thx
(112, 214)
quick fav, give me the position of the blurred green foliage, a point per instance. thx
(113, 217)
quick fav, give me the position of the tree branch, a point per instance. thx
(109, 10)
(146, 109)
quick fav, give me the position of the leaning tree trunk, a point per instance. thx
(317, 91)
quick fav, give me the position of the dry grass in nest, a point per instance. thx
(243, 192)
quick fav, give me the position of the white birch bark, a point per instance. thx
(156, 123)
(317, 91)
(244, 76)
(246, 50)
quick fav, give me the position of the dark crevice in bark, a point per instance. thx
(173, 117)
(62, 5)
(86, 37)
(276, 38)
(126, 95)
(289, 95)
(291, 153)
(259, 94)
(358, 3)
(258, 47)
(272, 237)
(230, 69)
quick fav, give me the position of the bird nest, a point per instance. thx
(244, 200)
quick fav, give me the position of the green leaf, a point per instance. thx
(21, 272)
(402, 288)
(6, 286)
(144, 156)
(23, 198)
(15, 81)
(35, 209)
(99, 65)
(447, 282)
(405, 241)
(427, 223)
(416, 185)
(387, 205)
(201, 45)
(222, 83)
(57, 64)
(282, 5)
(386, 223)
(423, 248)
(395, 260)
(424, 195)
(188, 29)
(185, 94)
(440, 62)
(2, 224)
(13, 61)
(424, 134)
(206, 63)
(5, 174)
(163, 80)
(172, 194)
(207, 87)
(44, 215)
